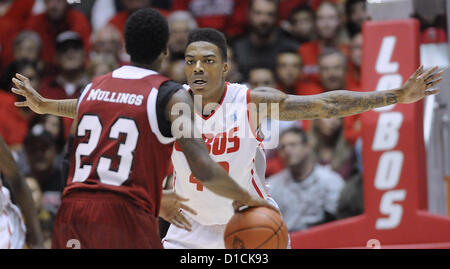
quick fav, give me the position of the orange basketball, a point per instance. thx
(256, 228)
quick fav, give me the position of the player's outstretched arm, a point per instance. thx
(24, 199)
(345, 103)
(210, 173)
(39, 104)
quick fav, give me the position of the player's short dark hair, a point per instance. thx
(212, 36)
(297, 131)
(146, 35)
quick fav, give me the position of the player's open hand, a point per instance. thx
(171, 203)
(419, 85)
(33, 99)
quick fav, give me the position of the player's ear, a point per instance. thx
(225, 68)
(166, 51)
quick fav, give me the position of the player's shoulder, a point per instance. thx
(234, 90)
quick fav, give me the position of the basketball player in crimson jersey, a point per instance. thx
(123, 144)
(230, 128)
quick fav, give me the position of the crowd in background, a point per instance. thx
(301, 47)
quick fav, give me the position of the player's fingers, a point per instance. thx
(428, 72)
(188, 209)
(435, 76)
(19, 84)
(433, 83)
(180, 198)
(21, 104)
(237, 205)
(418, 71)
(431, 92)
(183, 221)
(176, 223)
(24, 79)
(17, 91)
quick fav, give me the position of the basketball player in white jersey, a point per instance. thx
(12, 228)
(230, 129)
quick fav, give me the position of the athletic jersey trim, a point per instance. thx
(252, 128)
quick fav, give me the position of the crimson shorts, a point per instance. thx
(103, 220)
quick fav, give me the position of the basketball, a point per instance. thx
(256, 228)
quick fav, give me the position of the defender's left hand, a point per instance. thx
(419, 85)
(171, 203)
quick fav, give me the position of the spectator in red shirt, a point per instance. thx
(328, 26)
(13, 15)
(57, 18)
(228, 16)
(71, 78)
(332, 75)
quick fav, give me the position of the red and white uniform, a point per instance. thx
(12, 227)
(119, 161)
(233, 143)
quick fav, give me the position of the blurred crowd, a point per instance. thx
(301, 47)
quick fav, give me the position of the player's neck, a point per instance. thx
(154, 66)
(215, 97)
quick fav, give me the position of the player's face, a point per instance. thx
(205, 68)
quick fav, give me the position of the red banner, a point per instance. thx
(394, 159)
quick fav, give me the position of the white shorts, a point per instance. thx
(12, 227)
(201, 236)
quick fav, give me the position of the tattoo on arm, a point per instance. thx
(67, 108)
(326, 105)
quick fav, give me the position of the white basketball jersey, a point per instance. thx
(12, 227)
(233, 144)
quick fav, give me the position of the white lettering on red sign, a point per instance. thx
(390, 79)
(386, 137)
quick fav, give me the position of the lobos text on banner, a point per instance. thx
(394, 160)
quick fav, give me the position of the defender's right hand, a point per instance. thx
(33, 99)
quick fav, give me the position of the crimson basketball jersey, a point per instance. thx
(233, 143)
(118, 146)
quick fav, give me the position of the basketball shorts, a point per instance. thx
(103, 220)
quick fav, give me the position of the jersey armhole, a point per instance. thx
(252, 128)
(83, 93)
(153, 119)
